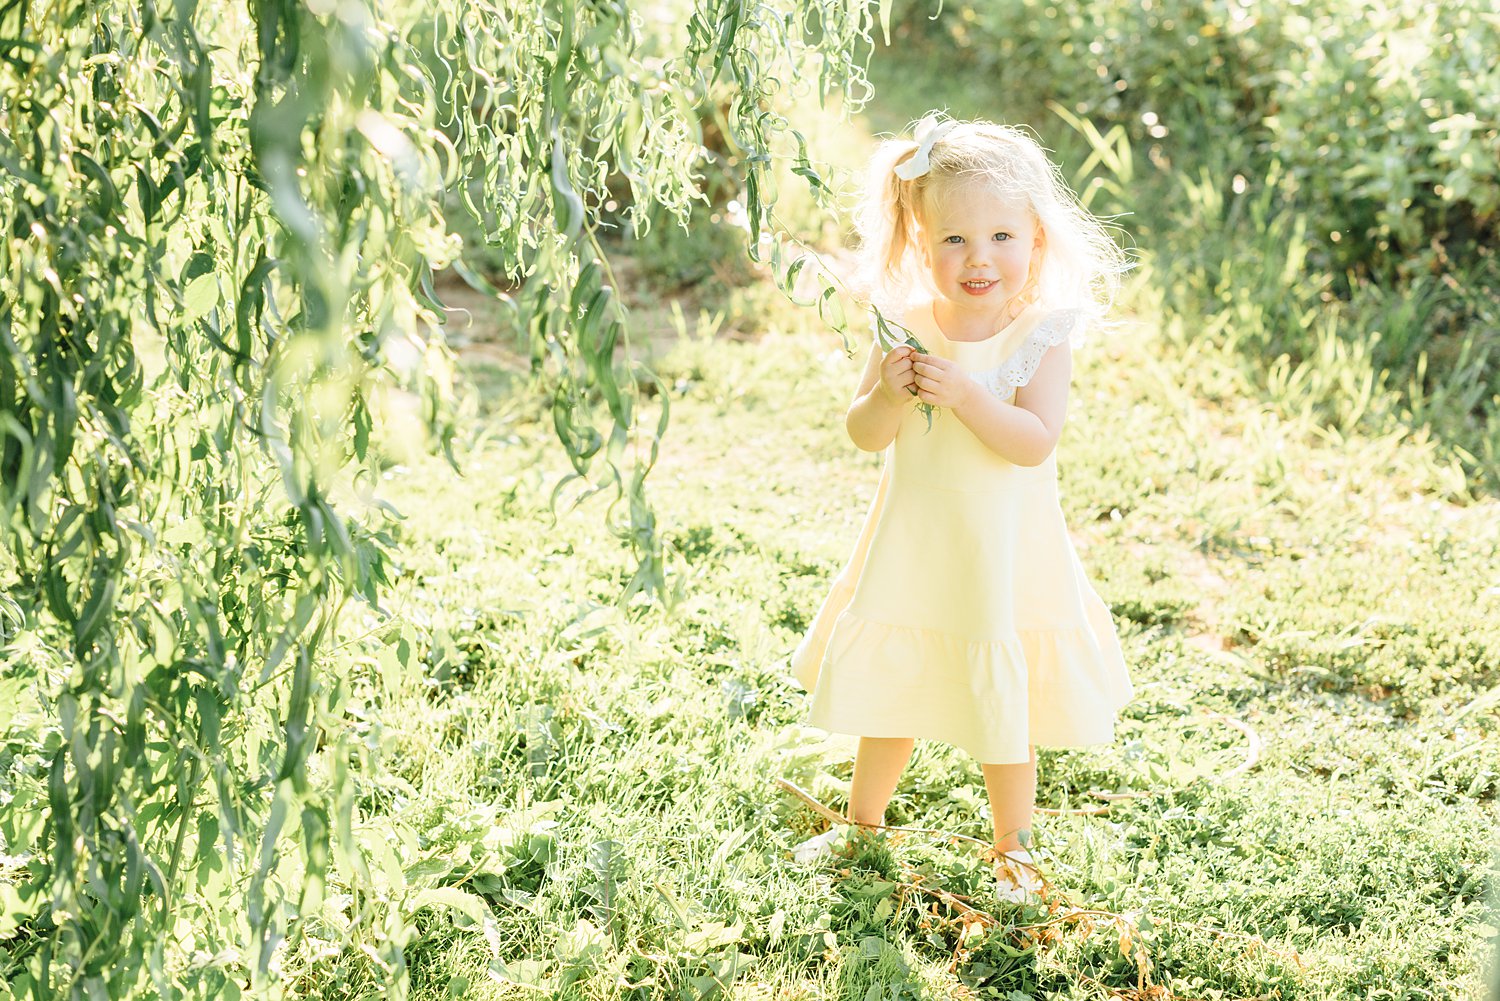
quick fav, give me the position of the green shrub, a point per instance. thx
(1389, 119)
(1384, 114)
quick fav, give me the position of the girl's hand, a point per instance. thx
(896, 375)
(942, 382)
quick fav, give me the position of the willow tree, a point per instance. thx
(220, 227)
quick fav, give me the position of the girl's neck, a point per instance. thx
(967, 325)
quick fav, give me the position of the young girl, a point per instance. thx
(964, 614)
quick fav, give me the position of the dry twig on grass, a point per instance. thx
(971, 920)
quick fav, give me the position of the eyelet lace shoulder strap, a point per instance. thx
(1018, 369)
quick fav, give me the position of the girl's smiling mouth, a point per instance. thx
(976, 287)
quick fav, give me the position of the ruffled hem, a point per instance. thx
(992, 698)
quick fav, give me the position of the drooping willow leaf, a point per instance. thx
(218, 229)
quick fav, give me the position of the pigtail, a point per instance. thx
(886, 224)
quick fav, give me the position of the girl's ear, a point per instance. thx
(1038, 250)
(1034, 266)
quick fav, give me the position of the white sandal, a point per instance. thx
(819, 845)
(1017, 879)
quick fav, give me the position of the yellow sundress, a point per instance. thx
(964, 614)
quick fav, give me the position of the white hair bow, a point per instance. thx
(929, 130)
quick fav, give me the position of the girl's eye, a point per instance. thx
(953, 239)
(1002, 236)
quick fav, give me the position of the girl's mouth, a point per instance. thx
(977, 287)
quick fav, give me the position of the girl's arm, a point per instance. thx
(873, 417)
(1024, 432)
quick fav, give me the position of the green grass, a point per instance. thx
(604, 780)
(1302, 571)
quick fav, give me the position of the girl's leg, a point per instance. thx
(1012, 790)
(877, 766)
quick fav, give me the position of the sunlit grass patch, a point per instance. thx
(1348, 833)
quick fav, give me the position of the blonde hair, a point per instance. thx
(1080, 264)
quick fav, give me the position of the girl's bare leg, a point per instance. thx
(877, 767)
(1012, 790)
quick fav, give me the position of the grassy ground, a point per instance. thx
(1311, 621)
(606, 781)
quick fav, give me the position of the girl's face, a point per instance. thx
(978, 245)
